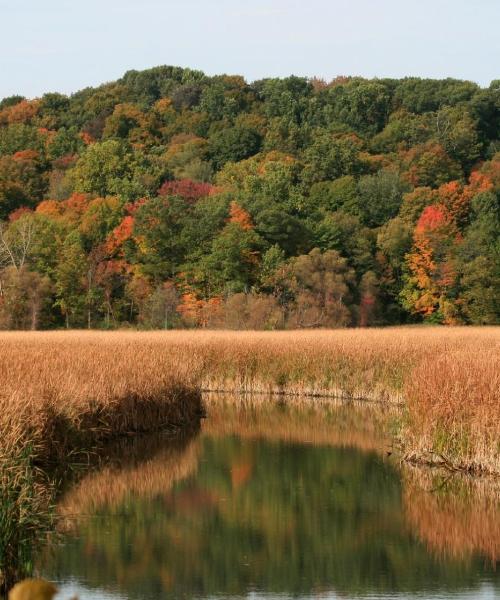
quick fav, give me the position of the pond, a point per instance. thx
(274, 500)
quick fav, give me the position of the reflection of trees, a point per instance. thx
(277, 515)
(456, 516)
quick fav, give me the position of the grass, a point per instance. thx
(453, 404)
(65, 391)
(25, 511)
(62, 386)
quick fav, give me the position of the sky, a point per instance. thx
(66, 45)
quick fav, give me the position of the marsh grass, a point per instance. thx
(66, 389)
(453, 411)
(25, 513)
(62, 392)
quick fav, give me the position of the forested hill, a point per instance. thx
(169, 198)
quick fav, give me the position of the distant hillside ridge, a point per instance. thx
(169, 198)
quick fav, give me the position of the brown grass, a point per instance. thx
(64, 393)
(457, 516)
(453, 405)
(102, 383)
(64, 390)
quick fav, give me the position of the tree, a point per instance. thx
(479, 262)
(233, 144)
(363, 105)
(187, 158)
(251, 311)
(340, 194)
(330, 157)
(107, 169)
(16, 242)
(71, 281)
(160, 308)
(127, 123)
(100, 218)
(380, 197)
(403, 131)
(22, 181)
(418, 95)
(216, 186)
(190, 190)
(368, 305)
(430, 278)
(414, 203)
(288, 232)
(24, 299)
(344, 233)
(232, 264)
(395, 240)
(429, 165)
(456, 132)
(158, 234)
(320, 283)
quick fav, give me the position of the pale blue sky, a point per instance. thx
(64, 45)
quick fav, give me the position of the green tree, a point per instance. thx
(330, 157)
(380, 197)
(71, 281)
(233, 144)
(479, 262)
(107, 169)
(340, 194)
(233, 261)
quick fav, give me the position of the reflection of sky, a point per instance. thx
(485, 592)
(73, 589)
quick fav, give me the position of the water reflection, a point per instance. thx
(268, 502)
(455, 515)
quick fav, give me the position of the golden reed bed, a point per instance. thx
(61, 391)
(448, 379)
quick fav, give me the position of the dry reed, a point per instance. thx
(64, 391)
(453, 404)
(61, 394)
(98, 383)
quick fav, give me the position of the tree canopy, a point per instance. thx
(171, 198)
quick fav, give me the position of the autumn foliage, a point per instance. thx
(169, 192)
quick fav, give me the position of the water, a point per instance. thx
(270, 502)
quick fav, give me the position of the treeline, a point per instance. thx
(169, 199)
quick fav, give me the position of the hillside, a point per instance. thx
(169, 198)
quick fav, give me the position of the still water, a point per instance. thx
(273, 501)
